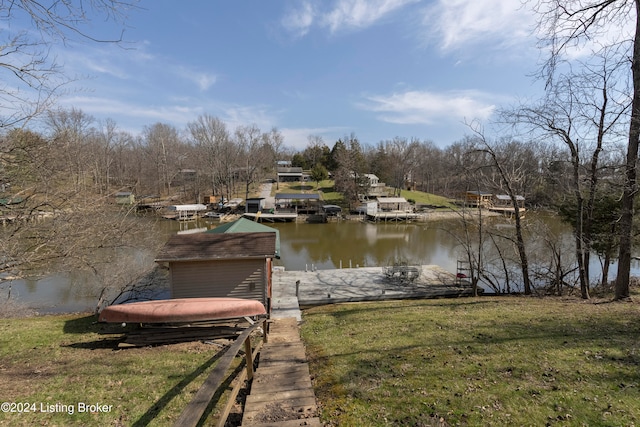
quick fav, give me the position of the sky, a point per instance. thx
(377, 69)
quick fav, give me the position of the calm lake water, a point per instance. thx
(304, 246)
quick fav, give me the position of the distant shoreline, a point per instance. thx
(437, 215)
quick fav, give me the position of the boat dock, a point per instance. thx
(295, 289)
(272, 217)
(392, 216)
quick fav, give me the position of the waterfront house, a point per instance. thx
(289, 174)
(375, 188)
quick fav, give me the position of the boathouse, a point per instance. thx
(503, 200)
(254, 205)
(476, 199)
(220, 264)
(394, 204)
(185, 212)
(243, 225)
(303, 203)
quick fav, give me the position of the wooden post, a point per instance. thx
(248, 358)
(265, 330)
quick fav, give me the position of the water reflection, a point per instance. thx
(354, 244)
(55, 293)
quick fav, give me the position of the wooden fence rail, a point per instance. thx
(193, 412)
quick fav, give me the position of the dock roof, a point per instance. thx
(212, 246)
(243, 225)
(298, 196)
(392, 200)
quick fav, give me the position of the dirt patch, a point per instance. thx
(277, 412)
(11, 309)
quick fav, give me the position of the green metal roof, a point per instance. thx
(243, 225)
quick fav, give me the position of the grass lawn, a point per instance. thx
(427, 198)
(62, 360)
(330, 196)
(490, 361)
(486, 361)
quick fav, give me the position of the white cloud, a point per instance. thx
(424, 107)
(460, 23)
(127, 112)
(92, 62)
(244, 115)
(297, 138)
(360, 13)
(299, 21)
(204, 81)
(343, 14)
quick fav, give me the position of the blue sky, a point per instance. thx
(375, 68)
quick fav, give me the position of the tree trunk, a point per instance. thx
(630, 187)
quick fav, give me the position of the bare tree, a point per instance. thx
(162, 144)
(402, 160)
(210, 135)
(350, 168)
(114, 158)
(53, 224)
(583, 110)
(430, 167)
(30, 73)
(251, 143)
(566, 25)
(510, 172)
(70, 130)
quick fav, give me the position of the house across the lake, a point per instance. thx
(289, 174)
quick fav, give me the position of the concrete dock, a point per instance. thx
(295, 289)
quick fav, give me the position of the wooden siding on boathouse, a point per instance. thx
(223, 278)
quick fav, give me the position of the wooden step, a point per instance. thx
(279, 395)
(281, 391)
(308, 422)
